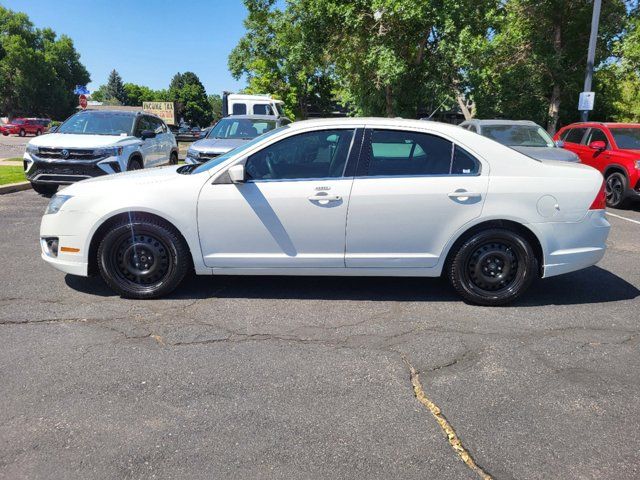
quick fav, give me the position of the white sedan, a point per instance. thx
(377, 197)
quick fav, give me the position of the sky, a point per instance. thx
(146, 41)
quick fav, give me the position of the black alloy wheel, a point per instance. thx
(46, 189)
(143, 258)
(493, 267)
(135, 164)
(616, 189)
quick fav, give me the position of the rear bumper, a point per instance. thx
(573, 246)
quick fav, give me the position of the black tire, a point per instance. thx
(616, 185)
(493, 267)
(173, 158)
(143, 259)
(45, 189)
(38, 133)
(135, 164)
(22, 133)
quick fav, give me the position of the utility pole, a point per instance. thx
(591, 55)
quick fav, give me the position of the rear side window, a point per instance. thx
(399, 153)
(239, 109)
(575, 135)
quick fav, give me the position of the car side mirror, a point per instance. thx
(598, 145)
(147, 134)
(559, 143)
(237, 174)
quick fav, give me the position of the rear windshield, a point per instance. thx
(626, 138)
(98, 123)
(518, 135)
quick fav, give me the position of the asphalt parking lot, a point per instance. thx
(12, 146)
(286, 378)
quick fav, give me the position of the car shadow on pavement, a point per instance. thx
(592, 285)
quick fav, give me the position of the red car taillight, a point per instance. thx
(600, 202)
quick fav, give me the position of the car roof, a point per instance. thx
(498, 121)
(446, 128)
(118, 112)
(602, 124)
(253, 117)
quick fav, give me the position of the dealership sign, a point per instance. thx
(165, 110)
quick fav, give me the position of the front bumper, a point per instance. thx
(65, 172)
(573, 246)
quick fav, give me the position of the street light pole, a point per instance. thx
(591, 55)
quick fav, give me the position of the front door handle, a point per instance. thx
(463, 194)
(325, 198)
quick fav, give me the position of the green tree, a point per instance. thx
(38, 70)
(114, 90)
(215, 101)
(187, 90)
(533, 64)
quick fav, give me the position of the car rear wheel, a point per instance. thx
(46, 189)
(22, 133)
(493, 267)
(616, 190)
(38, 133)
(143, 259)
(173, 159)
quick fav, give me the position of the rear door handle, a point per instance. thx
(463, 194)
(325, 198)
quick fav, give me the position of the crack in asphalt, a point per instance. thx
(447, 428)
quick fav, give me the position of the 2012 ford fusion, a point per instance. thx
(359, 197)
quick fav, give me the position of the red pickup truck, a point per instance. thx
(25, 126)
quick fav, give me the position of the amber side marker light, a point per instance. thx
(69, 249)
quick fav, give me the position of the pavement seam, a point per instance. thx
(447, 428)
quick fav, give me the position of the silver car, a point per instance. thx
(231, 132)
(522, 135)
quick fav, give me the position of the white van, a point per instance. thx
(241, 104)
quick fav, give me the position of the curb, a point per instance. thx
(14, 187)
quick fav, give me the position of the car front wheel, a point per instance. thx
(22, 133)
(143, 258)
(493, 267)
(616, 190)
(46, 189)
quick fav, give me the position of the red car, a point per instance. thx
(612, 148)
(24, 126)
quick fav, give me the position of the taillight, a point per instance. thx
(600, 202)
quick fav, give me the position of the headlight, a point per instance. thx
(193, 154)
(637, 164)
(32, 149)
(108, 152)
(56, 203)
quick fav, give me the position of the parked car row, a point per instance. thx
(25, 126)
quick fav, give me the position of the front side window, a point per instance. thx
(399, 153)
(239, 109)
(575, 135)
(597, 135)
(626, 138)
(320, 154)
(262, 109)
(98, 123)
(518, 135)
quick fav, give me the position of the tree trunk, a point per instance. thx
(554, 110)
(554, 101)
(388, 96)
(463, 106)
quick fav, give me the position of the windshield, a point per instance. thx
(241, 128)
(626, 138)
(98, 123)
(218, 160)
(518, 135)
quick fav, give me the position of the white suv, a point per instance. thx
(93, 143)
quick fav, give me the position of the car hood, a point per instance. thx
(217, 145)
(68, 140)
(548, 153)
